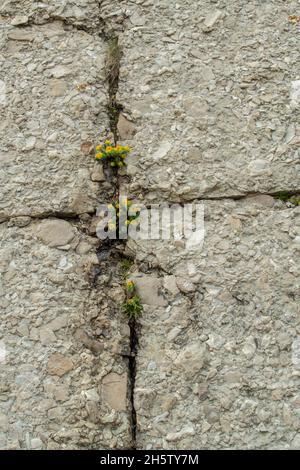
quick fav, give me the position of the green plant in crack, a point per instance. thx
(283, 196)
(294, 200)
(125, 266)
(133, 306)
(286, 196)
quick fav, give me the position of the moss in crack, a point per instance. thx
(113, 63)
(125, 266)
(288, 197)
(113, 59)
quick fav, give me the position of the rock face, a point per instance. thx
(236, 333)
(46, 117)
(213, 95)
(48, 366)
(59, 337)
(114, 391)
(55, 232)
(59, 364)
(210, 106)
(217, 89)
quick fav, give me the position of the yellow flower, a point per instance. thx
(127, 149)
(107, 142)
(108, 149)
(120, 164)
(112, 164)
(99, 155)
(99, 147)
(130, 285)
(294, 19)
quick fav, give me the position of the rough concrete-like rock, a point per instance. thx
(73, 11)
(216, 87)
(59, 365)
(60, 334)
(47, 369)
(47, 116)
(210, 105)
(237, 333)
(148, 288)
(213, 92)
(114, 390)
(55, 232)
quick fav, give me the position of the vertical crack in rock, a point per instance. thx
(132, 375)
(112, 74)
(114, 108)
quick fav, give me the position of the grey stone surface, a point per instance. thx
(76, 12)
(55, 99)
(61, 333)
(59, 341)
(212, 90)
(219, 367)
(210, 105)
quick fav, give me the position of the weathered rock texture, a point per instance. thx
(55, 106)
(210, 96)
(62, 366)
(210, 87)
(218, 366)
(62, 341)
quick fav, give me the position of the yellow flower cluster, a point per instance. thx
(294, 19)
(114, 155)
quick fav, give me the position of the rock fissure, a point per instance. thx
(69, 24)
(70, 217)
(112, 249)
(75, 216)
(41, 18)
(112, 75)
(132, 377)
(235, 197)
